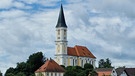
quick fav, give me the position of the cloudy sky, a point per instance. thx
(106, 27)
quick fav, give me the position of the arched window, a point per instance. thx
(51, 74)
(64, 32)
(55, 74)
(58, 32)
(47, 74)
(82, 63)
(73, 62)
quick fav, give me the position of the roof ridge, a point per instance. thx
(76, 50)
(47, 63)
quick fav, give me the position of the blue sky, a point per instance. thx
(106, 27)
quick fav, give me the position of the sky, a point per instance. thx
(105, 27)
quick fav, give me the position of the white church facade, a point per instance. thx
(64, 55)
(70, 56)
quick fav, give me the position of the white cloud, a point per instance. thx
(19, 5)
(5, 3)
(41, 2)
(12, 14)
(23, 34)
(106, 29)
(109, 30)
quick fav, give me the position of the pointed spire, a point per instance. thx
(61, 20)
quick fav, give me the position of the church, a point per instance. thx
(69, 56)
(64, 55)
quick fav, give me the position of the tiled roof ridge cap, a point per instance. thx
(76, 50)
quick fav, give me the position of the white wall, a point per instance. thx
(114, 72)
(50, 74)
(80, 59)
(123, 74)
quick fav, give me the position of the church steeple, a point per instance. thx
(61, 39)
(61, 20)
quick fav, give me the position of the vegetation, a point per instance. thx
(0, 73)
(79, 71)
(105, 63)
(27, 68)
(37, 59)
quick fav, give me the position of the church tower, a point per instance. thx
(61, 39)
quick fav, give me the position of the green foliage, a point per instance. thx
(88, 66)
(62, 66)
(82, 73)
(93, 73)
(79, 71)
(27, 68)
(105, 63)
(20, 74)
(35, 60)
(10, 74)
(70, 73)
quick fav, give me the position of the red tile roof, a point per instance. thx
(104, 71)
(79, 51)
(50, 66)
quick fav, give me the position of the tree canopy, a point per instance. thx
(105, 63)
(0, 73)
(79, 71)
(27, 68)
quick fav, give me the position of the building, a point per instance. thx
(70, 56)
(125, 71)
(50, 68)
(130, 71)
(120, 71)
(106, 72)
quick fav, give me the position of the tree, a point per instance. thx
(73, 70)
(20, 74)
(27, 68)
(0, 73)
(35, 61)
(22, 67)
(89, 70)
(88, 66)
(101, 63)
(82, 73)
(10, 72)
(79, 71)
(62, 66)
(105, 63)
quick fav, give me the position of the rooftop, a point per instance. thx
(50, 66)
(80, 51)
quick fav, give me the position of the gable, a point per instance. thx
(50, 66)
(104, 71)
